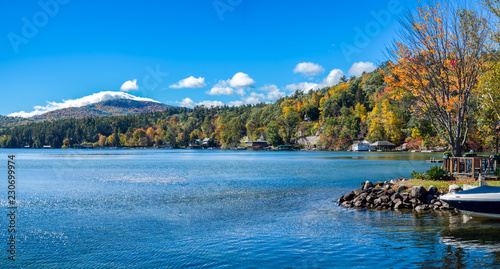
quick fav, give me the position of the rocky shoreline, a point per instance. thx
(381, 195)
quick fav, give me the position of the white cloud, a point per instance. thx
(308, 69)
(241, 80)
(221, 88)
(187, 102)
(358, 68)
(252, 100)
(273, 92)
(226, 87)
(240, 91)
(333, 77)
(87, 100)
(209, 103)
(129, 85)
(303, 86)
(190, 82)
(235, 103)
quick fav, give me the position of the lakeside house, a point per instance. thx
(383, 145)
(196, 144)
(363, 145)
(206, 142)
(285, 147)
(259, 144)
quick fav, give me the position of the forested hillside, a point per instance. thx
(359, 106)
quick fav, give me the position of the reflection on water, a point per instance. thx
(192, 209)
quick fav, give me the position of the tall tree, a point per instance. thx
(438, 64)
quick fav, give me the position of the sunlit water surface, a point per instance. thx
(226, 209)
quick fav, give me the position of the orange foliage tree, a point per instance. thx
(438, 65)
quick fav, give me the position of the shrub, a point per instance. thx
(417, 175)
(437, 172)
(447, 153)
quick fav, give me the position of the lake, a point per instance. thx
(225, 209)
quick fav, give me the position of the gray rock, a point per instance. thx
(402, 188)
(454, 188)
(418, 192)
(349, 196)
(433, 190)
(359, 204)
(358, 192)
(399, 205)
(422, 208)
(385, 199)
(368, 185)
(415, 202)
(396, 196)
(429, 199)
(347, 204)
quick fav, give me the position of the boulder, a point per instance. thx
(396, 196)
(368, 185)
(454, 188)
(399, 205)
(415, 202)
(349, 196)
(347, 204)
(359, 203)
(422, 208)
(402, 188)
(358, 192)
(430, 199)
(418, 192)
(385, 198)
(395, 201)
(390, 192)
(433, 190)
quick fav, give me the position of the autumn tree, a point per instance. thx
(102, 140)
(438, 64)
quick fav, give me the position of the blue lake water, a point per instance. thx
(225, 209)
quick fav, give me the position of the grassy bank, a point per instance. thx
(441, 185)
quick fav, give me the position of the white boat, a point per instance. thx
(483, 201)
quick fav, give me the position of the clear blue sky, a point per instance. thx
(69, 49)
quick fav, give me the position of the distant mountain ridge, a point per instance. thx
(107, 108)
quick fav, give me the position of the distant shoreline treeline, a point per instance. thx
(340, 114)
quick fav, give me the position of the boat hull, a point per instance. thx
(483, 201)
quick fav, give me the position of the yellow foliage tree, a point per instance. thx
(438, 65)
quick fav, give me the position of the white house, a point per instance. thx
(362, 146)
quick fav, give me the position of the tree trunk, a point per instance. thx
(457, 149)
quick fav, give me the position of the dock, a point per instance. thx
(469, 168)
